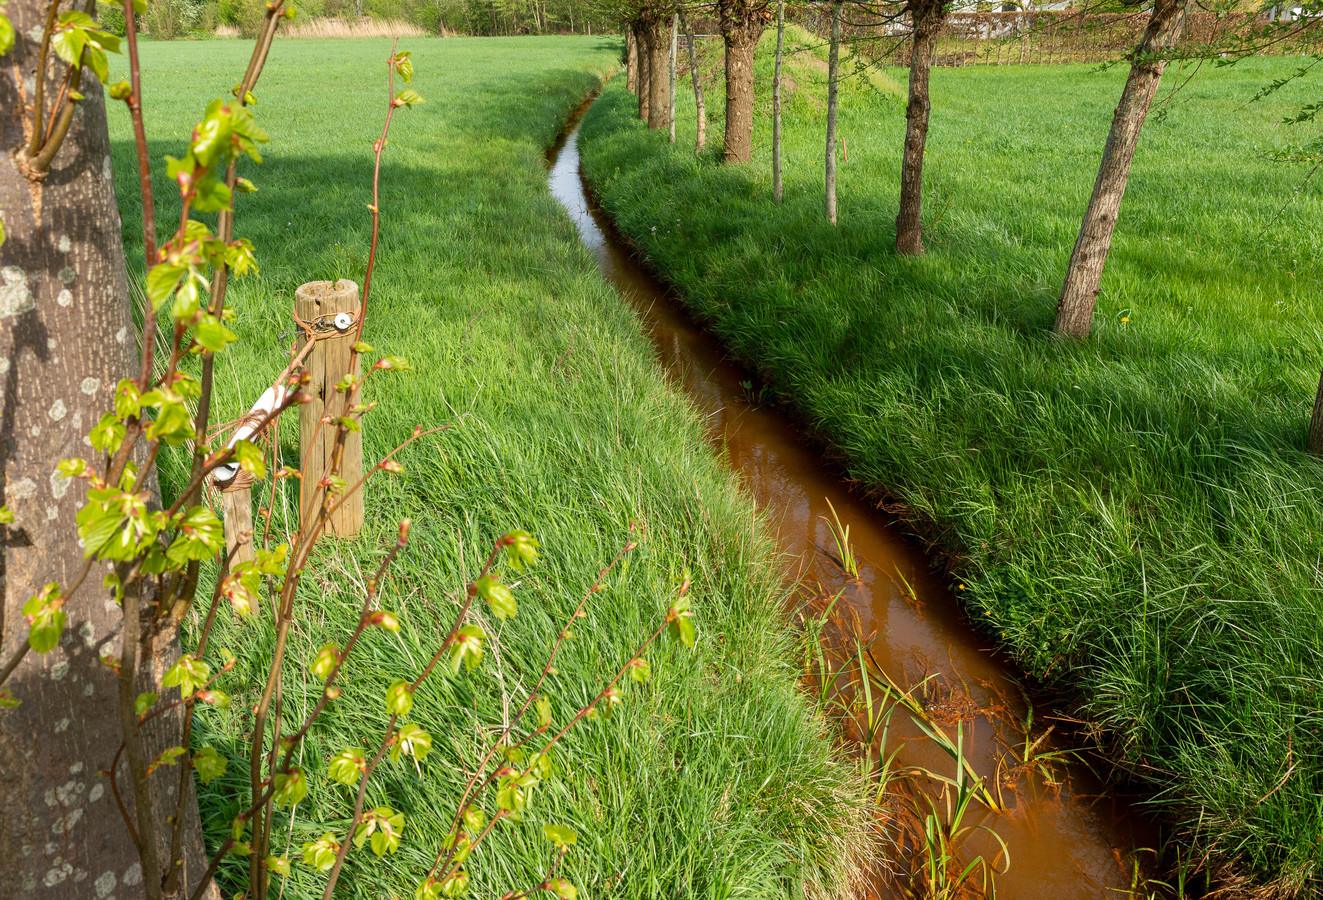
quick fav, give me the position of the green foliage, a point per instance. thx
(559, 835)
(498, 597)
(383, 826)
(347, 766)
(290, 789)
(320, 854)
(6, 44)
(209, 764)
(46, 618)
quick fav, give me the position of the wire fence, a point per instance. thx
(1050, 37)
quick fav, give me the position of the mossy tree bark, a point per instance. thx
(656, 23)
(926, 18)
(1079, 294)
(742, 23)
(645, 73)
(1315, 442)
(69, 338)
(631, 60)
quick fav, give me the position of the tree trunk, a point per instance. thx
(69, 338)
(777, 188)
(670, 91)
(742, 23)
(644, 75)
(631, 61)
(698, 87)
(927, 17)
(1080, 291)
(659, 102)
(1315, 442)
(833, 76)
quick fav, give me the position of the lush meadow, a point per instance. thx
(1134, 517)
(715, 779)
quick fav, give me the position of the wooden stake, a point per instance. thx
(327, 307)
(237, 512)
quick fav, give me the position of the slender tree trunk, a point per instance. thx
(777, 188)
(1080, 291)
(675, 36)
(926, 17)
(645, 69)
(1315, 441)
(631, 61)
(697, 79)
(833, 80)
(69, 337)
(742, 23)
(659, 103)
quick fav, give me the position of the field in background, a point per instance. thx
(713, 780)
(339, 28)
(1134, 517)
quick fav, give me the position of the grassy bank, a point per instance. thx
(713, 780)
(1134, 517)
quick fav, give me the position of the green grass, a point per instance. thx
(1133, 517)
(715, 780)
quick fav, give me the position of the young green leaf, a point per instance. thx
(384, 826)
(209, 764)
(399, 698)
(347, 766)
(326, 660)
(640, 671)
(277, 864)
(167, 757)
(560, 835)
(188, 674)
(290, 788)
(45, 615)
(6, 44)
(520, 549)
(411, 740)
(467, 648)
(562, 889)
(456, 885)
(408, 97)
(250, 458)
(320, 854)
(144, 702)
(474, 819)
(498, 597)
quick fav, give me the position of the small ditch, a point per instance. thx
(1067, 836)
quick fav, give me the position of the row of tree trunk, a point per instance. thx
(651, 49)
(742, 23)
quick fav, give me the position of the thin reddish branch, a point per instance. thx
(469, 788)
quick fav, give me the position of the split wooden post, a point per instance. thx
(332, 311)
(237, 513)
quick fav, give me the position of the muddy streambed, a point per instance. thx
(1067, 838)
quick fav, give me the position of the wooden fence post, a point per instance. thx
(332, 311)
(237, 513)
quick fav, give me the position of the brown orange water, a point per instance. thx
(1066, 840)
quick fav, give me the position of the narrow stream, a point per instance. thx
(1066, 840)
